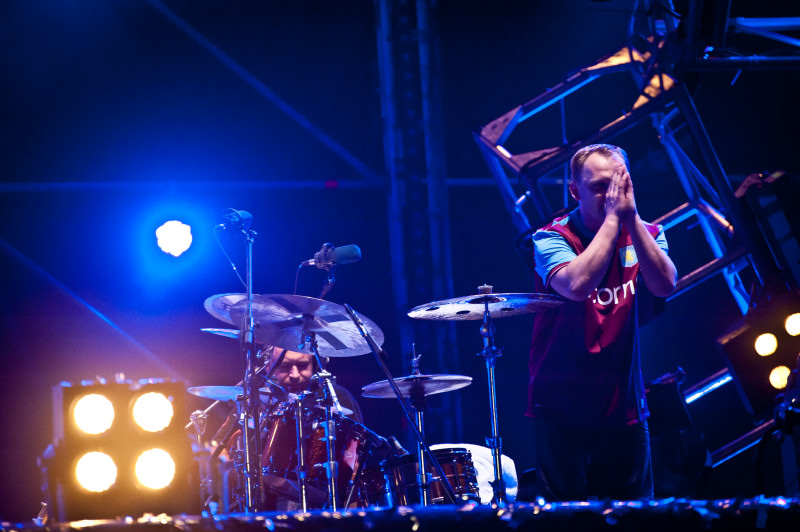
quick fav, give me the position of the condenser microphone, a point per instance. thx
(236, 220)
(329, 256)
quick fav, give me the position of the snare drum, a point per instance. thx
(401, 474)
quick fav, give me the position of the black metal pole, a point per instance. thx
(376, 350)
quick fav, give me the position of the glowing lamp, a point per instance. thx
(155, 469)
(792, 324)
(762, 350)
(766, 344)
(779, 377)
(119, 449)
(93, 413)
(174, 237)
(152, 411)
(96, 471)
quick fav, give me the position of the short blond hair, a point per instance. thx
(579, 159)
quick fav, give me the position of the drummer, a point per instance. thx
(293, 372)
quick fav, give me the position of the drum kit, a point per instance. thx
(301, 451)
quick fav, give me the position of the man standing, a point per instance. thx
(586, 392)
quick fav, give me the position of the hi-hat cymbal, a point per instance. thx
(415, 384)
(227, 333)
(222, 393)
(281, 320)
(473, 307)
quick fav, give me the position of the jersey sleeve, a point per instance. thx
(551, 252)
(661, 239)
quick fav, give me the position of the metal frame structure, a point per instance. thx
(419, 227)
(662, 99)
(656, 68)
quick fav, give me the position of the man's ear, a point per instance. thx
(573, 190)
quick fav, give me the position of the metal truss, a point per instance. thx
(663, 100)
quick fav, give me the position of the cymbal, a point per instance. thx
(280, 321)
(345, 411)
(472, 307)
(427, 384)
(227, 333)
(222, 393)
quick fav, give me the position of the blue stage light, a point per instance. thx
(174, 237)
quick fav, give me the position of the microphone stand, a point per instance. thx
(376, 350)
(250, 436)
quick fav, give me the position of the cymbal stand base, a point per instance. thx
(491, 353)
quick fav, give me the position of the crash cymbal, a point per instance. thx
(222, 393)
(280, 320)
(472, 307)
(227, 333)
(425, 384)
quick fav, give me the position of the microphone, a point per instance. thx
(397, 447)
(236, 220)
(329, 256)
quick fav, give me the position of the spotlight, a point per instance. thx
(792, 324)
(152, 411)
(766, 344)
(119, 449)
(155, 469)
(779, 377)
(93, 413)
(174, 237)
(767, 330)
(96, 471)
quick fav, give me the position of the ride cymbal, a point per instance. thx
(473, 307)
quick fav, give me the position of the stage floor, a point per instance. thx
(763, 514)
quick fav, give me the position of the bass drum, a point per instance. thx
(401, 475)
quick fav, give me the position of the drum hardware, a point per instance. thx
(300, 470)
(305, 325)
(221, 394)
(417, 399)
(377, 351)
(323, 380)
(484, 306)
(295, 452)
(416, 387)
(252, 401)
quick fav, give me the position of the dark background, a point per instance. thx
(114, 120)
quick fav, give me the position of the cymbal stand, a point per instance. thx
(417, 397)
(198, 420)
(377, 351)
(491, 353)
(250, 434)
(329, 401)
(301, 455)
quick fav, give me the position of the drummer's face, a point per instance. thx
(294, 372)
